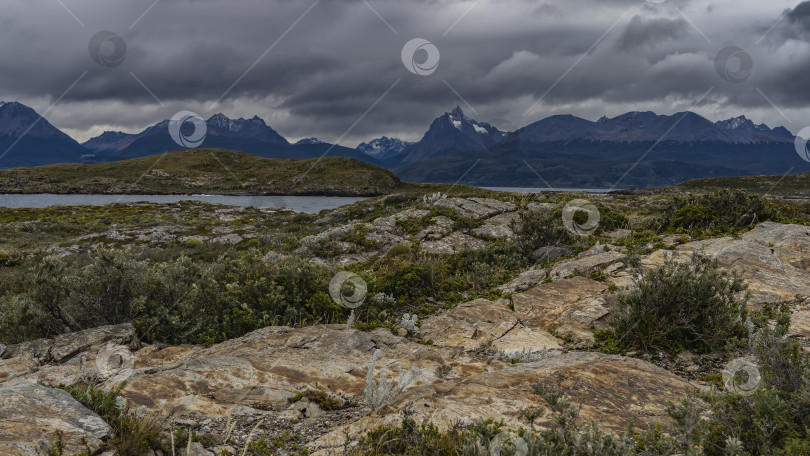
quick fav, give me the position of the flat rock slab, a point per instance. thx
(568, 306)
(264, 368)
(614, 391)
(455, 242)
(606, 262)
(525, 280)
(481, 323)
(477, 208)
(31, 416)
(771, 279)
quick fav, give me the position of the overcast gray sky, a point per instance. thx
(314, 68)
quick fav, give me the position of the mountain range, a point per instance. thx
(636, 149)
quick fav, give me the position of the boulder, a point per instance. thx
(32, 415)
(483, 323)
(550, 254)
(477, 208)
(607, 262)
(525, 280)
(498, 227)
(454, 243)
(23, 360)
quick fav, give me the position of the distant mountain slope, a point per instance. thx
(602, 164)
(568, 151)
(384, 148)
(240, 134)
(252, 136)
(636, 149)
(35, 141)
(207, 171)
(648, 126)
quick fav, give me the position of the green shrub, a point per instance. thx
(535, 229)
(680, 306)
(411, 439)
(774, 419)
(176, 301)
(717, 212)
(286, 443)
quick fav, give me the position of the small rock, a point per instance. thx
(197, 449)
(223, 449)
(290, 415)
(674, 239)
(402, 332)
(307, 409)
(3, 349)
(525, 280)
(186, 423)
(685, 357)
(550, 253)
(272, 257)
(541, 207)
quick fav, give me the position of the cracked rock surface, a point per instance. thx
(459, 354)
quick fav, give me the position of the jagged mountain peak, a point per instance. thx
(458, 113)
(234, 125)
(384, 148)
(312, 140)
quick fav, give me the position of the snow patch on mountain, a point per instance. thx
(383, 148)
(312, 140)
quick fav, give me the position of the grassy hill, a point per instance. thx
(790, 186)
(207, 171)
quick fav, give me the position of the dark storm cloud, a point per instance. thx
(800, 15)
(642, 33)
(322, 74)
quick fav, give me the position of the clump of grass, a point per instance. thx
(135, 432)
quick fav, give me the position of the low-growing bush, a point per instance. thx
(176, 301)
(772, 420)
(680, 305)
(717, 212)
(541, 228)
